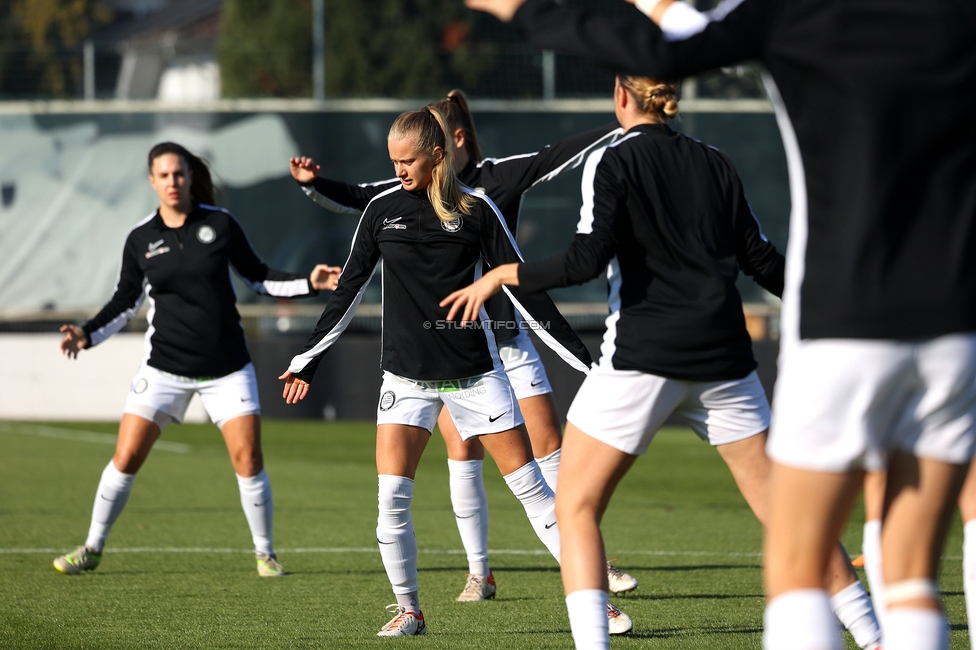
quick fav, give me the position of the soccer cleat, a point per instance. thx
(81, 559)
(858, 561)
(617, 621)
(268, 566)
(404, 623)
(478, 587)
(620, 582)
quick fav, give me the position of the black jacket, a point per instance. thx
(194, 327)
(669, 216)
(424, 260)
(876, 101)
(503, 180)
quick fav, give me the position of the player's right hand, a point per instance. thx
(74, 340)
(295, 389)
(303, 169)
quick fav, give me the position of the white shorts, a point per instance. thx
(478, 405)
(625, 408)
(160, 396)
(842, 404)
(524, 367)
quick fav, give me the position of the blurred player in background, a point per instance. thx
(434, 236)
(504, 181)
(876, 102)
(179, 258)
(667, 219)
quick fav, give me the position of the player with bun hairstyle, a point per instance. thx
(435, 236)
(504, 181)
(666, 218)
(178, 258)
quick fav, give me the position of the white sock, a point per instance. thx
(969, 576)
(852, 606)
(588, 619)
(471, 511)
(110, 498)
(528, 486)
(915, 629)
(871, 548)
(394, 532)
(258, 509)
(549, 466)
(800, 620)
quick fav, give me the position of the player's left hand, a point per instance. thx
(503, 10)
(295, 389)
(473, 296)
(324, 277)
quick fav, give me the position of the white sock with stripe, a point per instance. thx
(258, 509)
(394, 533)
(588, 619)
(110, 498)
(470, 505)
(530, 488)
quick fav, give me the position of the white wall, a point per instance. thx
(38, 383)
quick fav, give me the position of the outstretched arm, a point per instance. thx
(335, 195)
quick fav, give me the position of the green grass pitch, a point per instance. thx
(677, 524)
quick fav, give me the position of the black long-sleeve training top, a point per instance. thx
(503, 180)
(194, 328)
(424, 260)
(876, 102)
(669, 216)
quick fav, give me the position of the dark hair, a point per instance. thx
(427, 129)
(458, 116)
(202, 188)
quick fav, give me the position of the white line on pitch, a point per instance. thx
(84, 436)
(366, 549)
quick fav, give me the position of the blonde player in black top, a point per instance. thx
(435, 236)
(666, 218)
(504, 181)
(178, 258)
(876, 102)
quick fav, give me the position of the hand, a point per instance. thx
(324, 277)
(473, 296)
(303, 169)
(74, 340)
(295, 389)
(503, 10)
(653, 9)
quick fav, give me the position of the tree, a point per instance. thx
(265, 48)
(40, 44)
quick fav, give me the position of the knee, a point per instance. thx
(128, 461)
(573, 512)
(248, 462)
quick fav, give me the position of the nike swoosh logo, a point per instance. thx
(153, 246)
(387, 222)
(492, 419)
(548, 526)
(536, 383)
(465, 517)
(107, 499)
(258, 505)
(245, 399)
(378, 540)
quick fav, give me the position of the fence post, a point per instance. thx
(88, 61)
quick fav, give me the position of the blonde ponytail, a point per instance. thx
(656, 98)
(427, 129)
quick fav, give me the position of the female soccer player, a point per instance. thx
(178, 257)
(670, 218)
(504, 181)
(878, 352)
(434, 236)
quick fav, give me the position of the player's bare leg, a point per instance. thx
(967, 507)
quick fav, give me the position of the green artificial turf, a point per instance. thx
(676, 523)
